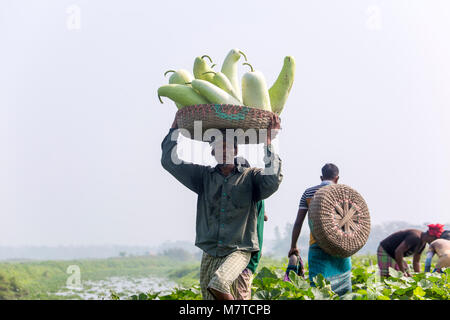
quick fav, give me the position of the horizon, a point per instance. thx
(305, 233)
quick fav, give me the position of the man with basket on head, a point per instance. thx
(226, 221)
(335, 269)
(404, 243)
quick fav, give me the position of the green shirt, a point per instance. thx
(254, 260)
(227, 213)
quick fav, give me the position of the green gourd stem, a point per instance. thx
(165, 73)
(243, 54)
(245, 63)
(159, 97)
(210, 60)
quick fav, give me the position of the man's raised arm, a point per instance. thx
(267, 180)
(189, 174)
(399, 253)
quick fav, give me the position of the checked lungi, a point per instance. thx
(242, 286)
(219, 273)
(385, 261)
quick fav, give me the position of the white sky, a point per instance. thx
(81, 125)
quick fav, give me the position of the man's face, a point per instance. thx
(224, 153)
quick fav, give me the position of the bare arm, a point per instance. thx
(416, 262)
(267, 180)
(430, 254)
(301, 214)
(399, 253)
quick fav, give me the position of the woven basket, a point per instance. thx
(339, 220)
(223, 116)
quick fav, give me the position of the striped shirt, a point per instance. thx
(306, 199)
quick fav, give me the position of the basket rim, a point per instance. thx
(204, 105)
(222, 117)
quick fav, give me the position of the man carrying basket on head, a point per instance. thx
(335, 269)
(226, 221)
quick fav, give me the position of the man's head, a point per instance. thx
(330, 172)
(224, 152)
(434, 232)
(445, 235)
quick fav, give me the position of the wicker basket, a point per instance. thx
(223, 116)
(339, 220)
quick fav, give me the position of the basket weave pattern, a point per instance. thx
(340, 220)
(223, 116)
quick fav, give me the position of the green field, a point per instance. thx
(41, 280)
(44, 279)
(268, 284)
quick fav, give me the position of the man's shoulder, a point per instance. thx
(311, 190)
(415, 233)
(406, 234)
(444, 242)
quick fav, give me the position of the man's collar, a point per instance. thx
(326, 182)
(237, 167)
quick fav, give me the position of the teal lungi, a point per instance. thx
(334, 269)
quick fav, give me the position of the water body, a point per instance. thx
(123, 286)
